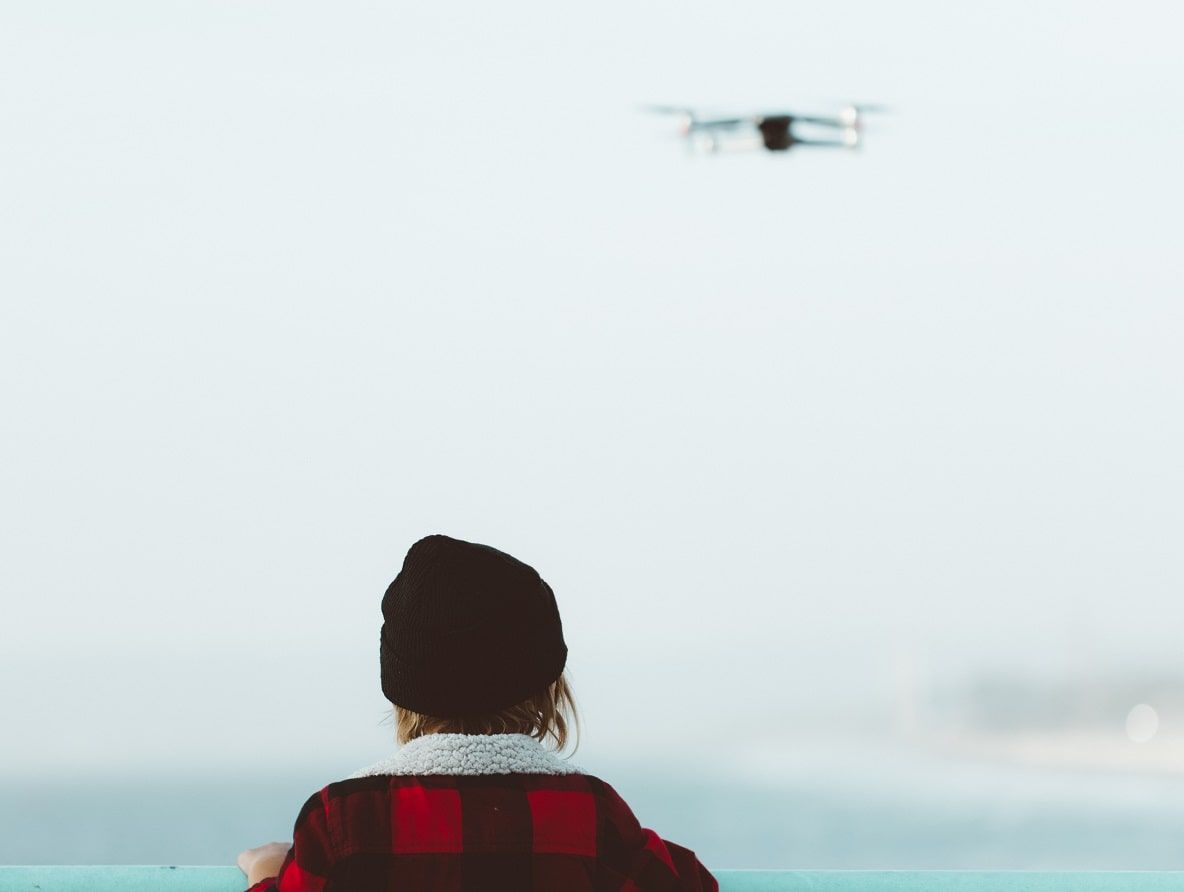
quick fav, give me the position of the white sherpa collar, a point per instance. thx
(471, 754)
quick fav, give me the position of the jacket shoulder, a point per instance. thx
(389, 782)
(519, 815)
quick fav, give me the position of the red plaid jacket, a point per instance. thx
(456, 833)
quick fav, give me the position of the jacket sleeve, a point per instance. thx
(306, 866)
(646, 861)
(695, 877)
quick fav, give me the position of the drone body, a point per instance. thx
(776, 132)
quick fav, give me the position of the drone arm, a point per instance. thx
(822, 122)
(826, 143)
(720, 123)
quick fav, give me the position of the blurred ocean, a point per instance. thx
(871, 814)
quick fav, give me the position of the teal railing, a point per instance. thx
(230, 879)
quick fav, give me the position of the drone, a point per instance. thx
(776, 131)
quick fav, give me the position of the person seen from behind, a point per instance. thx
(472, 659)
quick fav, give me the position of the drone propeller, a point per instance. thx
(667, 109)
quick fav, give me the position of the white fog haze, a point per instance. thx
(823, 454)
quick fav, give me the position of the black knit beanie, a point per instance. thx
(467, 630)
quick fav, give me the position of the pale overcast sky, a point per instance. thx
(287, 286)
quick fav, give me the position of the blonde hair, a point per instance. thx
(547, 714)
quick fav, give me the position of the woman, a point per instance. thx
(472, 658)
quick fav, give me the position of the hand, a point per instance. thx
(263, 861)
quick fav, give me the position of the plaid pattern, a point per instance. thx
(446, 833)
